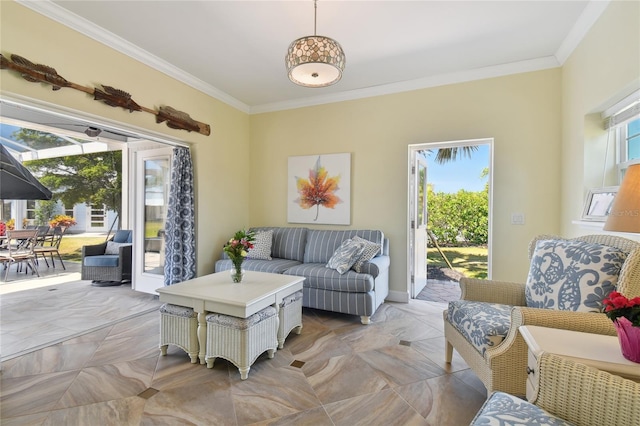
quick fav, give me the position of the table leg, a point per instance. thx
(202, 335)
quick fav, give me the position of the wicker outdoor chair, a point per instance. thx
(567, 393)
(502, 366)
(108, 263)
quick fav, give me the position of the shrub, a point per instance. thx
(62, 220)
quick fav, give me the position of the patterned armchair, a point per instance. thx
(567, 281)
(568, 393)
(108, 263)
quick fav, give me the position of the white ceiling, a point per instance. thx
(234, 50)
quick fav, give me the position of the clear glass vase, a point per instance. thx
(237, 273)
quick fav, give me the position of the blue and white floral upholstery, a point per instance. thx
(567, 265)
(572, 275)
(484, 325)
(503, 409)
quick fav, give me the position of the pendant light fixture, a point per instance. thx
(315, 61)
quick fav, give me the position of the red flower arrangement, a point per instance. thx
(617, 306)
(625, 314)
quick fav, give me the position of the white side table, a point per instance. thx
(595, 350)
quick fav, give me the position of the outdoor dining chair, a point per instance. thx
(50, 245)
(20, 249)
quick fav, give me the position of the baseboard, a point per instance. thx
(398, 296)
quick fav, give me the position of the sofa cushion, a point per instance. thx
(321, 244)
(572, 275)
(346, 255)
(101, 260)
(370, 250)
(484, 325)
(123, 236)
(288, 243)
(504, 409)
(114, 248)
(319, 276)
(261, 246)
(274, 266)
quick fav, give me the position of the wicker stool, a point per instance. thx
(290, 316)
(179, 326)
(241, 340)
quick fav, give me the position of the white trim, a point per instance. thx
(417, 84)
(51, 10)
(71, 114)
(589, 16)
(91, 30)
(397, 296)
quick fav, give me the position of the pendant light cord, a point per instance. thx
(315, 16)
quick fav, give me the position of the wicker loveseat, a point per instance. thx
(568, 393)
(501, 364)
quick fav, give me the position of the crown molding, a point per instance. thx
(417, 84)
(83, 26)
(589, 16)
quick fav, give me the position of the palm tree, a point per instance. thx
(447, 155)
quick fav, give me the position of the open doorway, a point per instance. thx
(449, 220)
(73, 132)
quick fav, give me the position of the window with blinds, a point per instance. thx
(623, 123)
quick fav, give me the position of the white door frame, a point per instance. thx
(143, 281)
(413, 149)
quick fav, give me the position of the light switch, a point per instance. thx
(517, 218)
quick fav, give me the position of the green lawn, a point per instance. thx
(71, 247)
(470, 261)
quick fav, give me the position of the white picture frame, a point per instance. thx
(334, 207)
(598, 203)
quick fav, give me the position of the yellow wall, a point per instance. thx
(521, 112)
(604, 69)
(537, 120)
(221, 206)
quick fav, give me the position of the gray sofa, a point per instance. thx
(305, 252)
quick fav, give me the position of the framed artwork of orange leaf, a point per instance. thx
(319, 189)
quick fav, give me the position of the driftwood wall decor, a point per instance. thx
(111, 96)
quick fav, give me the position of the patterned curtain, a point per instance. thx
(180, 238)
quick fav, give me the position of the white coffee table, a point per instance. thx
(217, 293)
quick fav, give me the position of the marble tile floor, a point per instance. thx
(336, 372)
(40, 312)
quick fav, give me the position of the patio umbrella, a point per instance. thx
(16, 182)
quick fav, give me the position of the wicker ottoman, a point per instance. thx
(241, 340)
(179, 326)
(290, 316)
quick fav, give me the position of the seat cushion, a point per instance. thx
(274, 266)
(572, 275)
(319, 276)
(484, 325)
(101, 260)
(505, 409)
